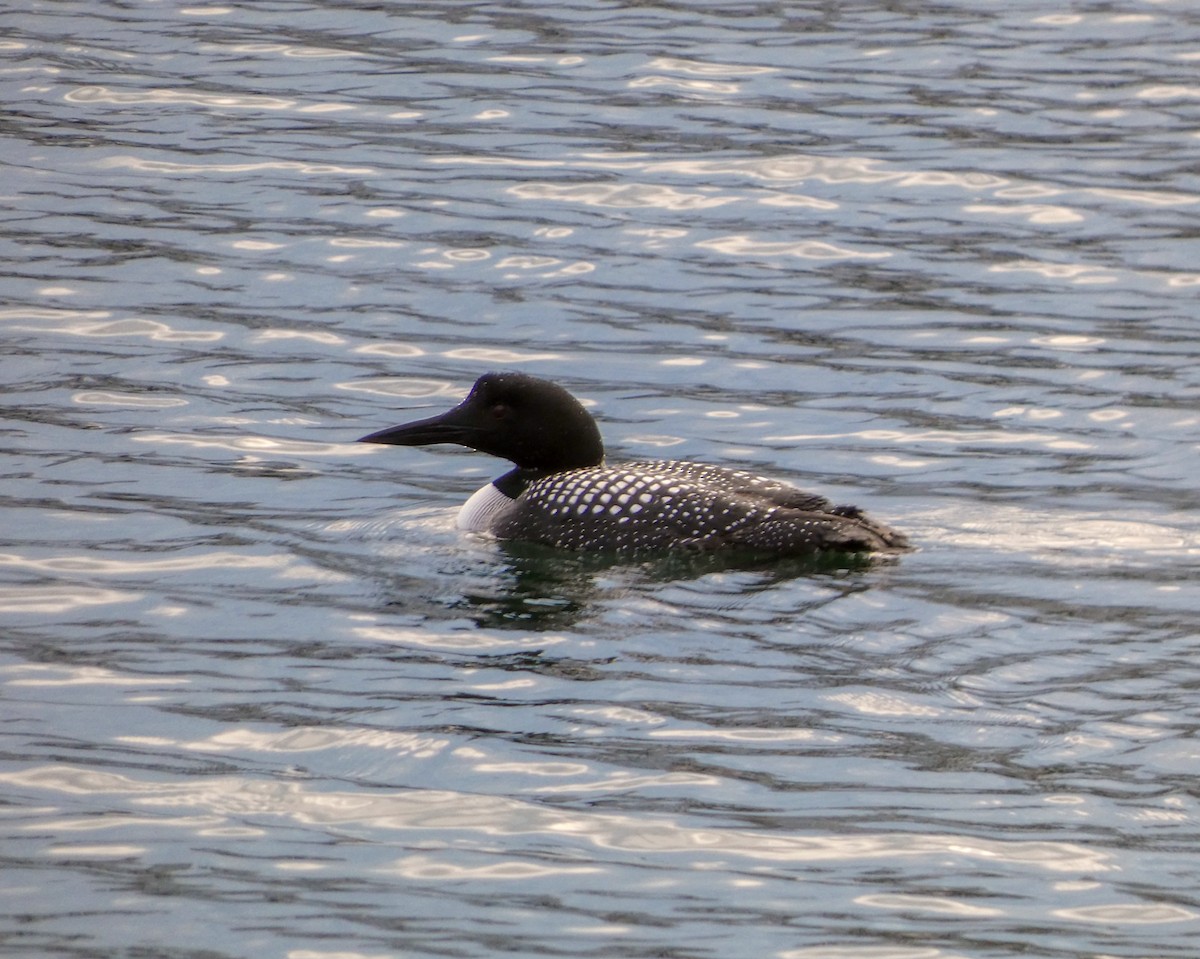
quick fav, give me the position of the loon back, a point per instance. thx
(562, 495)
(652, 506)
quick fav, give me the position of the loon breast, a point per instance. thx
(647, 506)
(484, 510)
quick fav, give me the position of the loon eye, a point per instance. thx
(500, 410)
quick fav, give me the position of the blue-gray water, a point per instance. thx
(258, 696)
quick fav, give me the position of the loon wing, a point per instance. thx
(737, 483)
(800, 516)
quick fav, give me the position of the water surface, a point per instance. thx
(260, 696)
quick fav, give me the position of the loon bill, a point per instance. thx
(562, 494)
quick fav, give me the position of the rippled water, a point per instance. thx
(261, 698)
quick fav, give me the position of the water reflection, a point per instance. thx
(173, 167)
(451, 640)
(95, 324)
(59, 599)
(802, 249)
(1137, 914)
(53, 676)
(310, 739)
(132, 400)
(789, 169)
(255, 444)
(429, 869)
(382, 812)
(619, 196)
(540, 589)
(98, 94)
(94, 565)
(928, 904)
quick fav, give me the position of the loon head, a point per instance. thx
(529, 421)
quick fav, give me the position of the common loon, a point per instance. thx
(562, 495)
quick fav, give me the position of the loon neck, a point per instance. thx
(513, 483)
